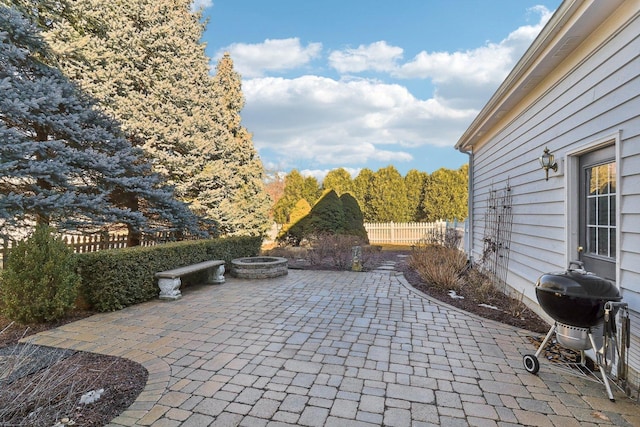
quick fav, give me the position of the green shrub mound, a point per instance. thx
(39, 283)
(331, 215)
(353, 218)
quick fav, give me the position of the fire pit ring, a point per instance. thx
(260, 267)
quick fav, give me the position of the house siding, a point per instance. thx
(598, 97)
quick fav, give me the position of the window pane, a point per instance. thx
(612, 177)
(592, 179)
(603, 241)
(612, 210)
(591, 240)
(603, 210)
(591, 211)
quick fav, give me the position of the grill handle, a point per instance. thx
(579, 264)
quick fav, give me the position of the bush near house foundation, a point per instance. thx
(115, 279)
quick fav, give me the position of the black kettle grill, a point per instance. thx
(581, 304)
(575, 297)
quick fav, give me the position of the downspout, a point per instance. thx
(469, 234)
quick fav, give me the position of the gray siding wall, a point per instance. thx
(598, 98)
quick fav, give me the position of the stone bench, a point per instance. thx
(169, 281)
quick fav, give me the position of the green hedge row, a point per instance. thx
(117, 278)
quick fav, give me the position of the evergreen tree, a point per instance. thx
(311, 190)
(415, 183)
(363, 188)
(389, 200)
(353, 219)
(296, 187)
(338, 180)
(446, 194)
(246, 209)
(145, 63)
(298, 219)
(300, 210)
(62, 161)
(327, 215)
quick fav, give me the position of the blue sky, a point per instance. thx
(368, 83)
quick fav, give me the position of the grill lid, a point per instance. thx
(579, 284)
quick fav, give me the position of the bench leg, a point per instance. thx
(169, 288)
(216, 275)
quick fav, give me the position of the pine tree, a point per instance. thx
(363, 188)
(446, 194)
(338, 180)
(389, 200)
(145, 62)
(62, 161)
(353, 219)
(327, 215)
(246, 210)
(415, 184)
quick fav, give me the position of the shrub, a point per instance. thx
(439, 266)
(353, 218)
(327, 215)
(335, 250)
(39, 283)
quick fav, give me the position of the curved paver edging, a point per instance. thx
(262, 267)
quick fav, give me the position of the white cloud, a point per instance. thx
(254, 60)
(468, 78)
(346, 122)
(330, 122)
(201, 4)
(378, 56)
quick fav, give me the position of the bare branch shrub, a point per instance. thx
(448, 237)
(519, 307)
(439, 266)
(36, 398)
(482, 285)
(332, 250)
(42, 386)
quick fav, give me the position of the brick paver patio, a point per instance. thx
(318, 348)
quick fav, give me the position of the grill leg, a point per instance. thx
(605, 379)
(546, 340)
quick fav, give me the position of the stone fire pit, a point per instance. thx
(260, 267)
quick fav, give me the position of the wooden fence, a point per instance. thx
(96, 242)
(410, 233)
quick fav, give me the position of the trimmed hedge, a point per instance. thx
(117, 278)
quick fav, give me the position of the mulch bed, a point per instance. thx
(43, 385)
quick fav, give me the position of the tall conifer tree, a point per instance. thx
(246, 207)
(363, 187)
(338, 180)
(389, 200)
(145, 63)
(415, 184)
(62, 161)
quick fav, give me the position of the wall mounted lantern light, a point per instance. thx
(547, 161)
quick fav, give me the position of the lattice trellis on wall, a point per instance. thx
(497, 235)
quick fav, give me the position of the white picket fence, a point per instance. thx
(410, 233)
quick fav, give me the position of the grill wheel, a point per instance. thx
(531, 363)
